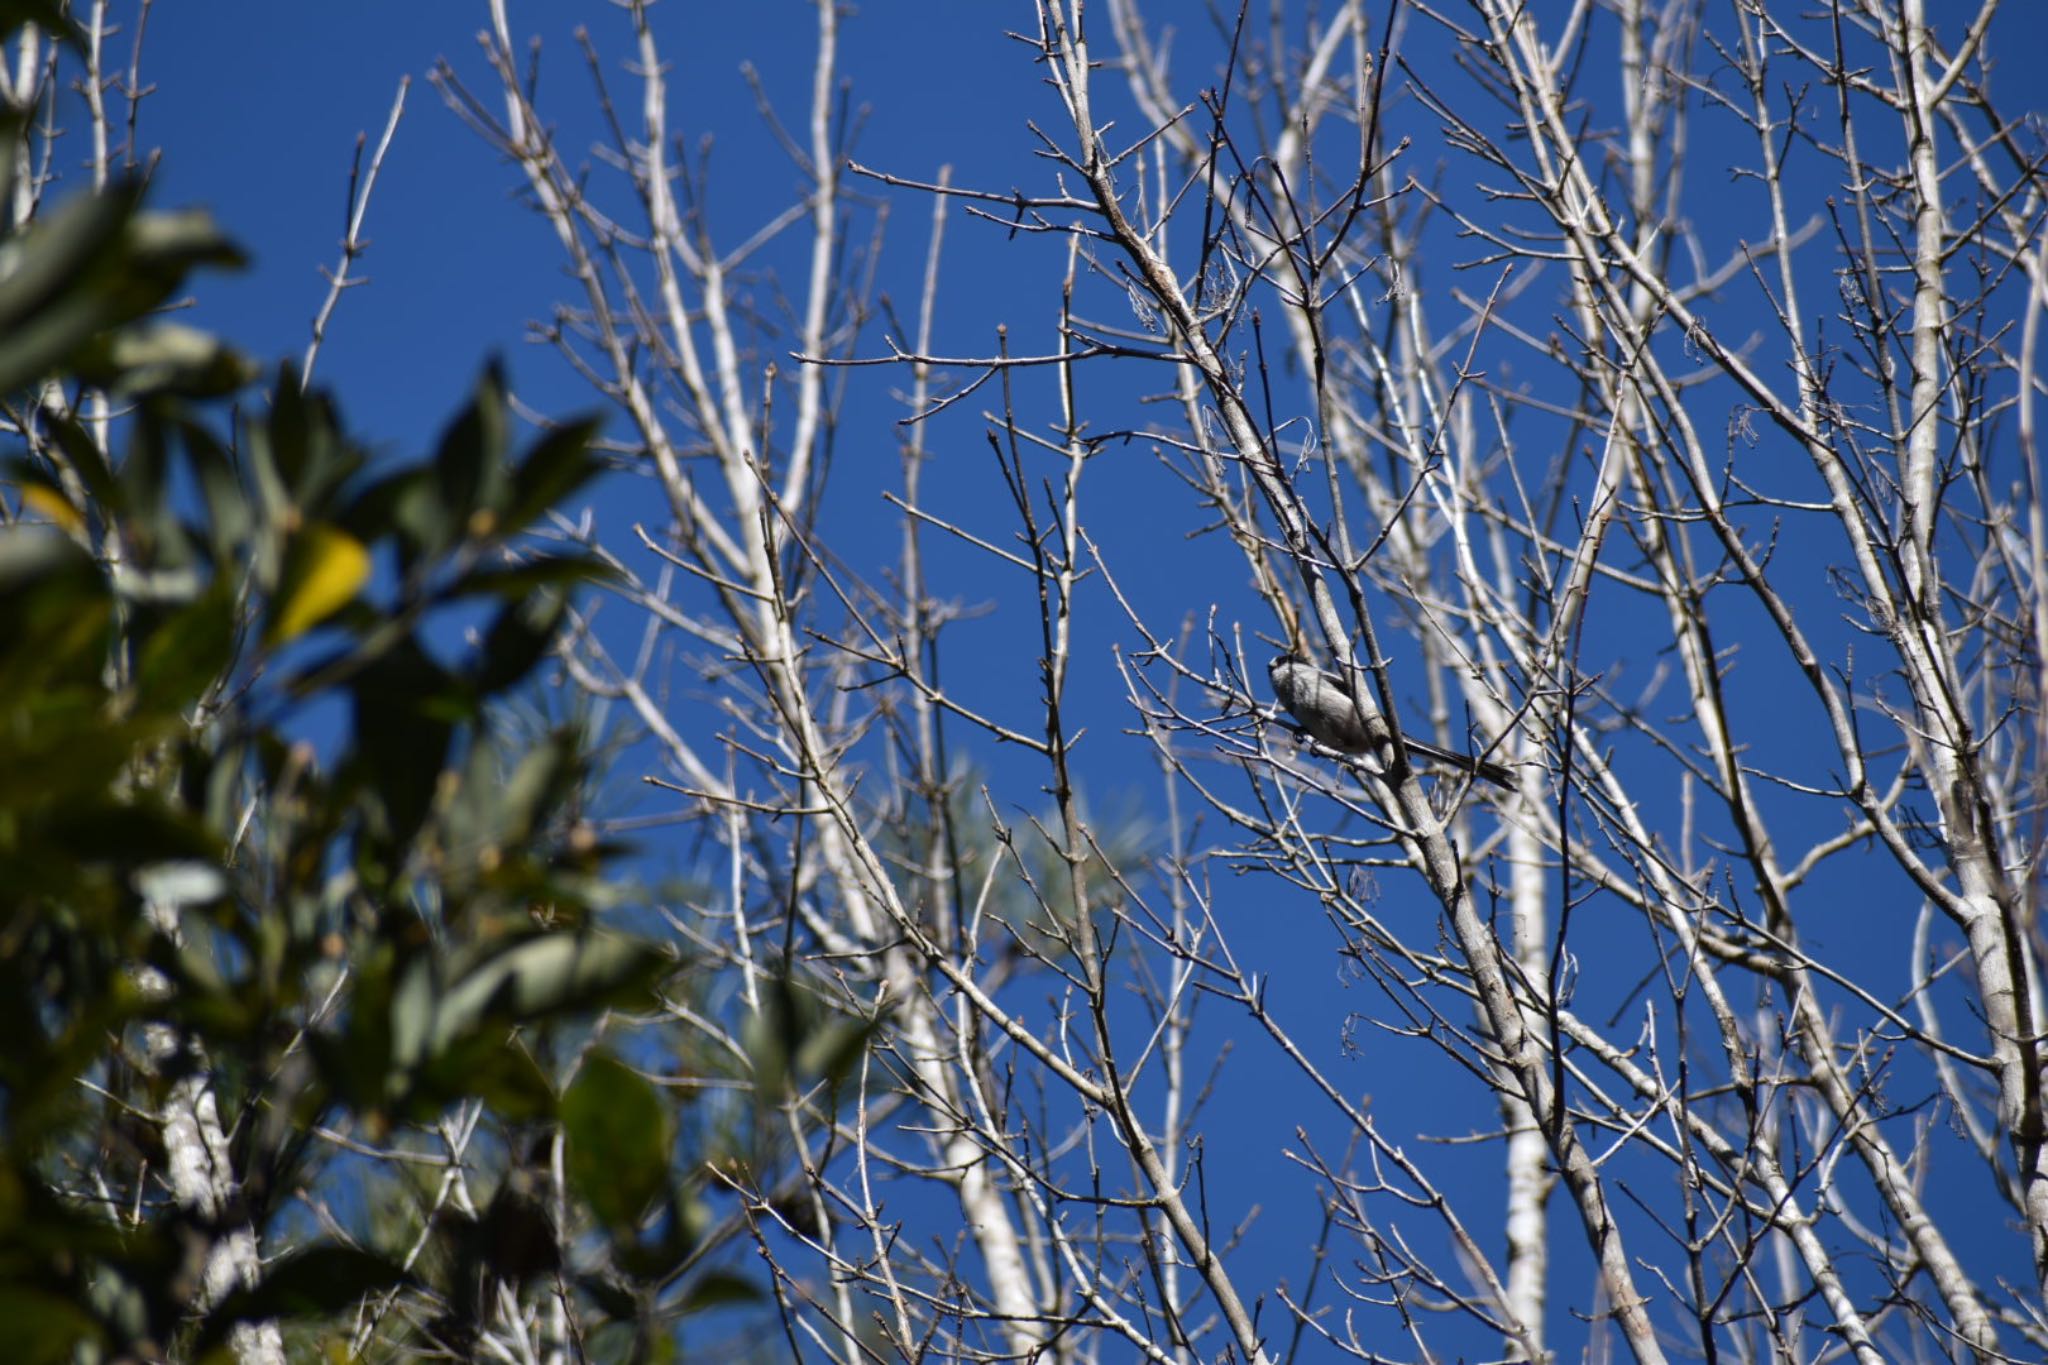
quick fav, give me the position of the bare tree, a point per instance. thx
(1535, 367)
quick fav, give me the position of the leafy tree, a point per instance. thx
(280, 888)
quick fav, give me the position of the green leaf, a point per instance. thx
(795, 1037)
(306, 1285)
(92, 264)
(469, 464)
(308, 454)
(187, 652)
(154, 536)
(230, 521)
(138, 831)
(90, 463)
(163, 357)
(43, 1326)
(62, 759)
(516, 1238)
(507, 1079)
(359, 1063)
(832, 1049)
(555, 466)
(165, 246)
(541, 571)
(405, 712)
(414, 1002)
(612, 1300)
(538, 786)
(517, 639)
(404, 501)
(54, 612)
(619, 1134)
(545, 975)
(719, 1289)
(46, 308)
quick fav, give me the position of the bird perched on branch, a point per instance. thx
(1323, 706)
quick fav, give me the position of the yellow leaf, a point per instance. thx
(322, 572)
(53, 505)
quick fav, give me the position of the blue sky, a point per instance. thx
(257, 106)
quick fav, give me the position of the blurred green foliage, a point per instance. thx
(345, 938)
(352, 931)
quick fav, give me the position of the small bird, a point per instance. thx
(1323, 706)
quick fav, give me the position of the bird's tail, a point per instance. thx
(1484, 769)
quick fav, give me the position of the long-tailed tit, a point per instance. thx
(1324, 708)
